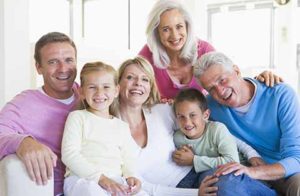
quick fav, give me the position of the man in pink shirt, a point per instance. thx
(32, 123)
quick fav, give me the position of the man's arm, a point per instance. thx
(289, 122)
(37, 158)
(262, 172)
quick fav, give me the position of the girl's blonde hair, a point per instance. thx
(97, 67)
(146, 67)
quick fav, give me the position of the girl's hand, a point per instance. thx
(206, 187)
(269, 78)
(111, 186)
(134, 185)
(256, 161)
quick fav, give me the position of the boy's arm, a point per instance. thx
(246, 149)
(251, 155)
(226, 148)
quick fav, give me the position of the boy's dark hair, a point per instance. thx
(192, 95)
(48, 38)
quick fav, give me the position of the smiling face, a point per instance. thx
(99, 91)
(58, 67)
(223, 85)
(191, 119)
(134, 86)
(172, 30)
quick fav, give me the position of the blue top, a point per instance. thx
(271, 125)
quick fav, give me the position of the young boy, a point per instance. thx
(202, 143)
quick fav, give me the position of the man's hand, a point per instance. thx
(134, 185)
(256, 161)
(112, 187)
(183, 156)
(237, 168)
(38, 159)
(206, 187)
(262, 172)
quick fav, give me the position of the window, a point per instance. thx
(105, 23)
(243, 32)
(46, 16)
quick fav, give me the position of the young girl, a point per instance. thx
(202, 143)
(97, 148)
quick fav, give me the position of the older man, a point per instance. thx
(268, 119)
(32, 124)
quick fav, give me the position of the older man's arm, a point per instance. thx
(262, 172)
(289, 122)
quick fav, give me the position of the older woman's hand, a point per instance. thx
(206, 187)
(269, 78)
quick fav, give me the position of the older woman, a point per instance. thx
(152, 128)
(172, 49)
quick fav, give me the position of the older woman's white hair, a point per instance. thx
(209, 59)
(160, 56)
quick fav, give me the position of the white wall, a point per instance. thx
(16, 66)
(287, 35)
(15, 69)
(2, 79)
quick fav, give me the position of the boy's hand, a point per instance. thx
(183, 156)
(207, 187)
(111, 186)
(134, 185)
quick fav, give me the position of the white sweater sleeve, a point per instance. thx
(245, 149)
(159, 190)
(71, 150)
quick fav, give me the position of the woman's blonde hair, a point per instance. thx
(97, 67)
(160, 56)
(154, 96)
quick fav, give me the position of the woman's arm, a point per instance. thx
(269, 78)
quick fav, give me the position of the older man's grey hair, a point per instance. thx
(209, 59)
(160, 56)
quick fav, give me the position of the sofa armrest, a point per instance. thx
(14, 180)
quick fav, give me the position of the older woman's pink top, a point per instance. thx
(167, 88)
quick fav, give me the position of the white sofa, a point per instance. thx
(14, 180)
